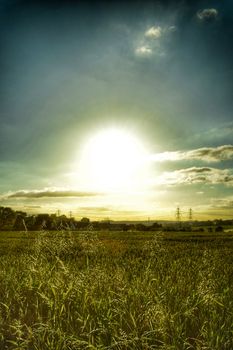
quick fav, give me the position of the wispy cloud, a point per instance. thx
(152, 41)
(111, 211)
(207, 154)
(222, 203)
(97, 209)
(196, 175)
(51, 193)
(143, 50)
(207, 14)
(221, 133)
(29, 207)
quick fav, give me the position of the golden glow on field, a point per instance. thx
(111, 160)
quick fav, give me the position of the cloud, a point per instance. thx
(51, 193)
(32, 206)
(222, 132)
(197, 170)
(207, 14)
(222, 203)
(211, 154)
(171, 29)
(143, 51)
(208, 154)
(106, 212)
(196, 175)
(97, 209)
(154, 32)
(153, 41)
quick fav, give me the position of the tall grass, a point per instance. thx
(80, 291)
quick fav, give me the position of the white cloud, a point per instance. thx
(207, 14)
(153, 41)
(154, 32)
(143, 51)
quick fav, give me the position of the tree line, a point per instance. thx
(11, 220)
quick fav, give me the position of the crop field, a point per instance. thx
(116, 290)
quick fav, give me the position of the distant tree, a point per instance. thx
(141, 227)
(7, 218)
(85, 220)
(30, 222)
(155, 226)
(19, 224)
(41, 221)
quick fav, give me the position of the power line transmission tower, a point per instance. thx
(190, 214)
(71, 214)
(178, 214)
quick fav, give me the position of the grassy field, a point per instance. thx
(116, 290)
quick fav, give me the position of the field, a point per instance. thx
(116, 290)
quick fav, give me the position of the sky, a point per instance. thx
(118, 110)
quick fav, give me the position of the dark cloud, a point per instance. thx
(197, 175)
(32, 206)
(98, 209)
(208, 176)
(207, 154)
(197, 170)
(211, 154)
(223, 203)
(50, 193)
(207, 14)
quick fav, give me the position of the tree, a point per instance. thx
(85, 220)
(219, 229)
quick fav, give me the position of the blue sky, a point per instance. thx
(160, 71)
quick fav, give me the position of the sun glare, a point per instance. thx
(113, 160)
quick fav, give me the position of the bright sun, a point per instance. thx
(113, 160)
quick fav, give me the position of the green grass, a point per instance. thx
(116, 290)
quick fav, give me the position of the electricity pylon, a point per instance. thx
(190, 214)
(178, 214)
